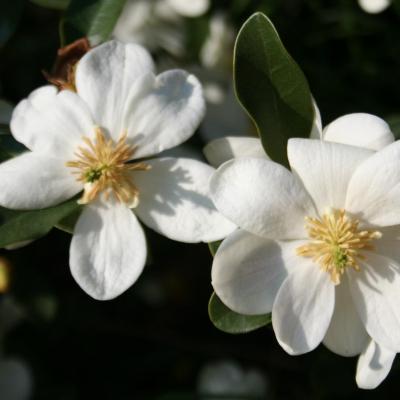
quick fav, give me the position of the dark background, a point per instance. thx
(152, 341)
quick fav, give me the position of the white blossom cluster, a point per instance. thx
(317, 244)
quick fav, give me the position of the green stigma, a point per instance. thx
(93, 175)
(340, 258)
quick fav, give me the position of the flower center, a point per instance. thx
(102, 166)
(335, 243)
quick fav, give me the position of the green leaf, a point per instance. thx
(271, 87)
(9, 147)
(229, 321)
(94, 19)
(68, 223)
(54, 4)
(20, 226)
(213, 246)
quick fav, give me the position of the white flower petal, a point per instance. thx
(374, 6)
(163, 111)
(216, 50)
(220, 150)
(389, 244)
(361, 130)
(31, 181)
(192, 8)
(303, 308)
(248, 271)
(227, 379)
(262, 197)
(136, 18)
(376, 293)
(374, 189)
(105, 77)
(52, 123)
(346, 334)
(325, 169)
(186, 150)
(152, 24)
(373, 365)
(174, 201)
(108, 250)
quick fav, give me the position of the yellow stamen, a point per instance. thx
(102, 166)
(336, 242)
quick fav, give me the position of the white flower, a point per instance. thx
(157, 23)
(358, 129)
(227, 379)
(218, 46)
(192, 8)
(315, 246)
(361, 130)
(16, 382)
(143, 22)
(374, 6)
(224, 115)
(96, 140)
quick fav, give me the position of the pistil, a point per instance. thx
(103, 167)
(335, 243)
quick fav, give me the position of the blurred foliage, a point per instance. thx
(9, 19)
(152, 341)
(94, 19)
(55, 4)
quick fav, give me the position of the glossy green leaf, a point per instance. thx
(94, 19)
(229, 321)
(54, 4)
(9, 147)
(68, 223)
(20, 226)
(271, 87)
(213, 246)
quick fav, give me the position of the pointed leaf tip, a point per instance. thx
(271, 86)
